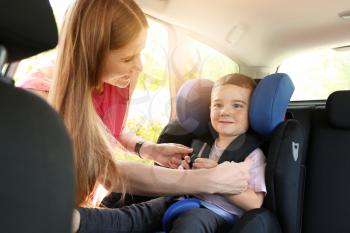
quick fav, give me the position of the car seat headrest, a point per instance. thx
(338, 109)
(192, 105)
(267, 108)
(269, 103)
(27, 28)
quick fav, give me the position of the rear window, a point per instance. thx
(318, 74)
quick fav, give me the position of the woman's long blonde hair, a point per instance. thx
(92, 28)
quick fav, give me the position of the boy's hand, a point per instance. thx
(169, 154)
(185, 164)
(204, 163)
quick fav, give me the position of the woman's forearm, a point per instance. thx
(226, 178)
(129, 139)
(151, 180)
(247, 200)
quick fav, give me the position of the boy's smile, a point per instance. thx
(229, 110)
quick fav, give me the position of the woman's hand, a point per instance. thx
(198, 163)
(230, 177)
(204, 163)
(168, 154)
(185, 163)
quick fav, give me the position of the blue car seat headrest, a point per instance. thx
(192, 105)
(268, 104)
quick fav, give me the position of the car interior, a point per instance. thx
(305, 140)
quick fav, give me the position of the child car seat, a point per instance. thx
(285, 162)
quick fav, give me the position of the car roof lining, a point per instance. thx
(272, 30)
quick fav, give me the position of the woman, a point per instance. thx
(98, 62)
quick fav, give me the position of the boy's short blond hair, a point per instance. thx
(236, 79)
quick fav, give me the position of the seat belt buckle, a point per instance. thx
(194, 156)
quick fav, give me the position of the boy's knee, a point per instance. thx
(198, 220)
(194, 216)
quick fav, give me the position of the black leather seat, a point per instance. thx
(36, 163)
(327, 194)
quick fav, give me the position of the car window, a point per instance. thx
(150, 104)
(194, 59)
(317, 74)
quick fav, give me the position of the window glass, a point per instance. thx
(214, 64)
(150, 105)
(193, 59)
(318, 74)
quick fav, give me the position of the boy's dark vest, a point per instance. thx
(237, 151)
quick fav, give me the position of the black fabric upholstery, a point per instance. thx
(285, 175)
(257, 221)
(174, 132)
(36, 165)
(338, 109)
(237, 151)
(327, 194)
(240, 148)
(36, 160)
(26, 27)
(303, 115)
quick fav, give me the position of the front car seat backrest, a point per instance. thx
(36, 165)
(36, 159)
(27, 27)
(327, 190)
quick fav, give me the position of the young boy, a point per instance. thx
(230, 100)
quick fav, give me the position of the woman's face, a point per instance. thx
(123, 65)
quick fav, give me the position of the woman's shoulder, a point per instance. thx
(40, 78)
(36, 82)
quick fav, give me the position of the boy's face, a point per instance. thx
(229, 110)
